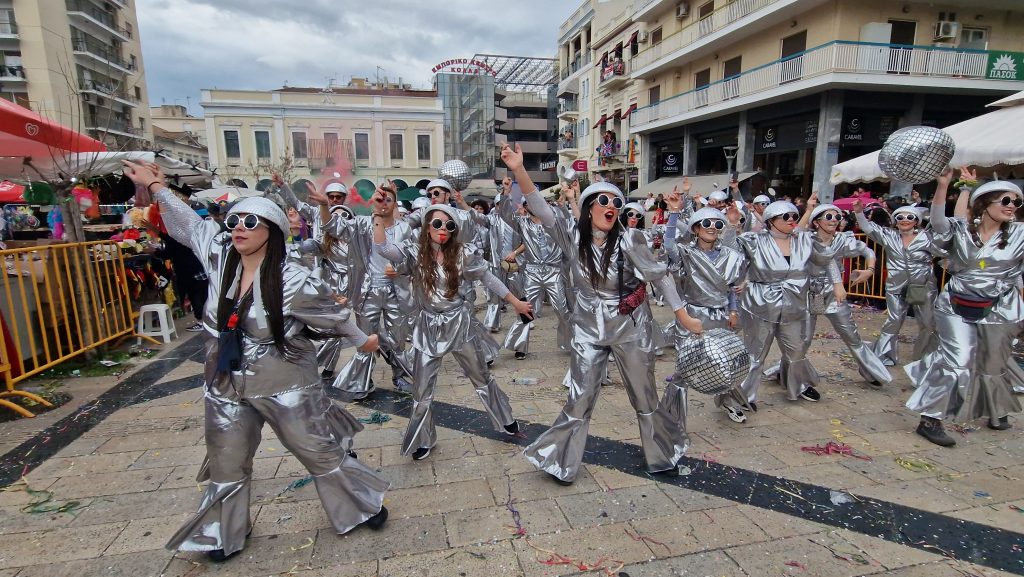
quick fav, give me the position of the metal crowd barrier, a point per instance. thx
(58, 301)
(874, 288)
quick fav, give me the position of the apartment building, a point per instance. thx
(179, 134)
(778, 90)
(365, 132)
(80, 63)
(791, 87)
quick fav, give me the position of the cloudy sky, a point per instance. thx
(262, 44)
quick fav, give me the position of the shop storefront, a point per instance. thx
(784, 151)
(710, 153)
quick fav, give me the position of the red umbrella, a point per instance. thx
(847, 203)
(25, 133)
(11, 192)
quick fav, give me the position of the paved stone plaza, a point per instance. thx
(750, 502)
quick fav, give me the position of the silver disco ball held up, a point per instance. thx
(916, 154)
(713, 363)
(456, 173)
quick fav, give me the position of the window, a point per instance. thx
(231, 149)
(700, 81)
(362, 140)
(128, 29)
(133, 64)
(705, 10)
(330, 146)
(7, 23)
(299, 145)
(262, 144)
(138, 93)
(654, 95)
(974, 38)
(730, 73)
(423, 148)
(395, 147)
(656, 37)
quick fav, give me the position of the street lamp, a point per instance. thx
(730, 157)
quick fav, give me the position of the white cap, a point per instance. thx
(712, 213)
(342, 208)
(599, 187)
(336, 187)
(995, 185)
(453, 214)
(442, 183)
(771, 191)
(718, 196)
(822, 209)
(421, 202)
(918, 212)
(636, 206)
(778, 208)
(263, 208)
(762, 199)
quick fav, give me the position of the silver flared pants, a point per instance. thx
(559, 450)
(540, 281)
(796, 372)
(896, 309)
(307, 424)
(966, 377)
(382, 315)
(420, 432)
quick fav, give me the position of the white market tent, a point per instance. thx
(986, 141)
(86, 164)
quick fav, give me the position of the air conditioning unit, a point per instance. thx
(945, 29)
(642, 37)
(682, 10)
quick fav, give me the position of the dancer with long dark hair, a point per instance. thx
(441, 263)
(610, 266)
(262, 369)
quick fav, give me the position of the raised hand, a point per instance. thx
(142, 172)
(812, 201)
(967, 174)
(945, 178)
(506, 185)
(686, 185)
(674, 200)
(316, 197)
(513, 158)
(858, 206)
(276, 178)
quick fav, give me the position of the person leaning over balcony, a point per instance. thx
(610, 266)
(910, 280)
(977, 314)
(262, 369)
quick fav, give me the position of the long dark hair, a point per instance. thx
(271, 289)
(586, 245)
(428, 268)
(978, 208)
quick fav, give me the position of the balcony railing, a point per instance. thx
(16, 71)
(97, 14)
(579, 62)
(100, 124)
(105, 89)
(9, 28)
(322, 152)
(102, 52)
(617, 69)
(565, 106)
(714, 22)
(837, 57)
(566, 143)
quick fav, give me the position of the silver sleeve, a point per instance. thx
(667, 288)
(495, 285)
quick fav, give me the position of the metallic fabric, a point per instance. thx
(443, 326)
(382, 314)
(600, 331)
(307, 424)
(775, 306)
(501, 240)
(541, 280)
(967, 376)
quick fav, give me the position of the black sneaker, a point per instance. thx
(195, 328)
(1001, 424)
(520, 355)
(490, 362)
(353, 454)
(512, 428)
(218, 556)
(377, 521)
(876, 384)
(753, 406)
(327, 374)
(421, 453)
(561, 482)
(810, 394)
(932, 430)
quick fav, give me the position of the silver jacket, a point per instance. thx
(358, 235)
(777, 289)
(904, 265)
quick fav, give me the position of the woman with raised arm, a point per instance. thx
(909, 283)
(610, 266)
(440, 263)
(977, 314)
(262, 368)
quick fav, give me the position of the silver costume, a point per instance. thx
(382, 303)
(843, 245)
(502, 240)
(906, 266)
(443, 326)
(541, 275)
(600, 331)
(269, 388)
(775, 306)
(966, 377)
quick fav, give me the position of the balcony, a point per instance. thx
(726, 25)
(8, 30)
(99, 89)
(567, 145)
(568, 109)
(93, 17)
(528, 124)
(615, 75)
(650, 10)
(848, 64)
(577, 19)
(113, 126)
(100, 53)
(10, 74)
(578, 63)
(534, 147)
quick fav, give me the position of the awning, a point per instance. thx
(604, 119)
(632, 37)
(630, 110)
(23, 133)
(618, 114)
(988, 141)
(703, 184)
(11, 192)
(601, 60)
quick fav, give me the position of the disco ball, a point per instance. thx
(456, 173)
(916, 154)
(713, 363)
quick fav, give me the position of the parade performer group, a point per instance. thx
(403, 286)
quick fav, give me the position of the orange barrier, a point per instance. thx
(58, 301)
(874, 287)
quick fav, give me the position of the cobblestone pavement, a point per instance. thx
(750, 502)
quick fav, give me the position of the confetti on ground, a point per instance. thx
(607, 565)
(306, 545)
(517, 527)
(375, 418)
(982, 494)
(42, 501)
(644, 539)
(962, 429)
(834, 448)
(915, 465)
(796, 564)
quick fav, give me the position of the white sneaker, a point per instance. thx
(735, 414)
